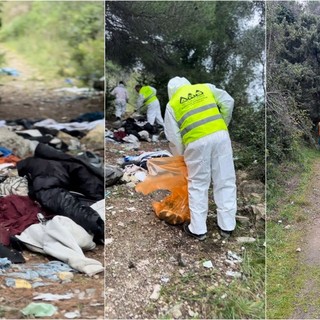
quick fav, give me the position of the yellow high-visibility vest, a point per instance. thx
(196, 112)
(148, 94)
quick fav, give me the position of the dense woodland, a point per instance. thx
(293, 77)
(218, 42)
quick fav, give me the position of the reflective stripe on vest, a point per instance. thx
(196, 112)
(148, 94)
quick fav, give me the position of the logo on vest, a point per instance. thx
(191, 96)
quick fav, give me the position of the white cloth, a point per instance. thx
(63, 239)
(99, 206)
(69, 126)
(208, 159)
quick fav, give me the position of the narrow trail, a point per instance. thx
(31, 95)
(310, 252)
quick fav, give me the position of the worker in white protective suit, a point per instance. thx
(122, 97)
(147, 99)
(196, 125)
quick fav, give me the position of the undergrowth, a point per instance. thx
(286, 276)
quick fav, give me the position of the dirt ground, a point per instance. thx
(145, 255)
(30, 96)
(310, 252)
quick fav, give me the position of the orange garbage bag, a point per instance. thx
(168, 173)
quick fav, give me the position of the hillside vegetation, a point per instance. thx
(63, 39)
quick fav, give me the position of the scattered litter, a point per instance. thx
(233, 274)
(10, 71)
(208, 264)
(287, 227)
(40, 284)
(165, 279)
(4, 263)
(131, 209)
(108, 241)
(30, 132)
(53, 297)
(140, 175)
(234, 257)
(72, 315)
(298, 250)
(246, 239)
(229, 262)
(39, 309)
(76, 90)
(65, 276)
(48, 270)
(18, 283)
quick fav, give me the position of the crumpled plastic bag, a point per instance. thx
(168, 173)
(39, 310)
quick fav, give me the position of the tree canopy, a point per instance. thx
(293, 79)
(206, 41)
(221, 42)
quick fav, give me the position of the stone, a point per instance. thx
(156, 292)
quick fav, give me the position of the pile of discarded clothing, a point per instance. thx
(133, 130)
(51, 202)
(77, 134)
(132, 169)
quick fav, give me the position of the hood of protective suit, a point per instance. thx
(175, 83)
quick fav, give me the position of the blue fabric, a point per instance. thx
(4, 152)
(10, 71)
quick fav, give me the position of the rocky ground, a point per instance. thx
(30, 96)
(153, 270)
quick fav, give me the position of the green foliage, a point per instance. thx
(212, 48)
(252, 131)
(292, 79)
(68, 40)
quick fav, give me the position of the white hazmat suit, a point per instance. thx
(208, 159)
(153, 109)
(121, 94)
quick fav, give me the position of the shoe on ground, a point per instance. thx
(200, 237)
(224, 233)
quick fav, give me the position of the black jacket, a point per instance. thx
(52, 174)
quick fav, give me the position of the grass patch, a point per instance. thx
(69, 42)
(286, 276)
